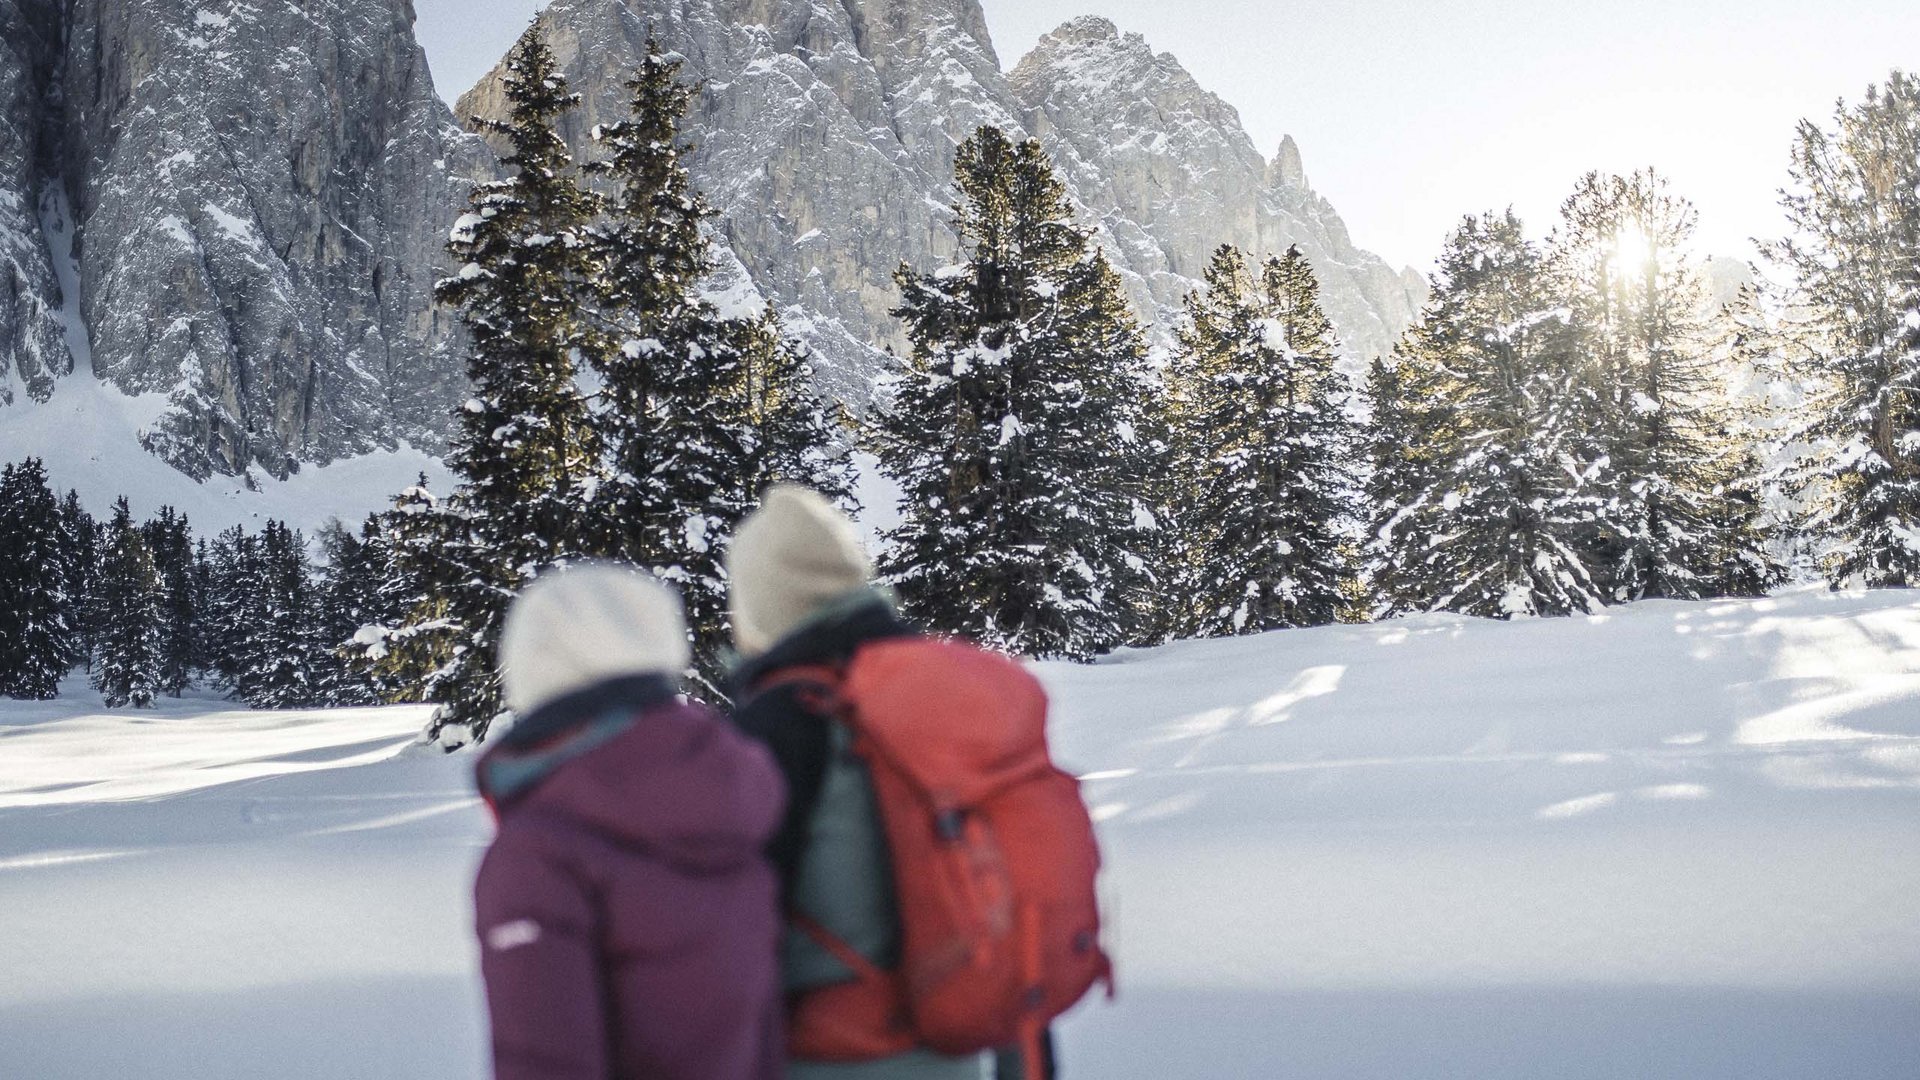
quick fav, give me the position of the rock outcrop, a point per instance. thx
(262, 193)
(235, 211)
(33, 352)
(826, 132)
(1172, 175)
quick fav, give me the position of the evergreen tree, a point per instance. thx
(233, 624)
(36, 636)
(523, 451)
(1266, 450)
(170, 539)
(407, 642)
(1639, 306)
(347, 598)
(665, 360)
(1854, 211)
(788, 436)
(697, 411)
(1497, 503)
(1014, 429)
(278, 669)
(1750, 543)
(205, 585)
(80, 558)
(1411, 435)
(128, 656)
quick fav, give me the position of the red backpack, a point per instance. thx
(993, 856)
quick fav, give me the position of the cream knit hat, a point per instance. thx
(791, 558)
(584, 625)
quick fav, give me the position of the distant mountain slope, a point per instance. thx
(226, 217)
(1173, 175)
(826, 134)
(261, 193)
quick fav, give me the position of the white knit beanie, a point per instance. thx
(791, 558)
(586, 624)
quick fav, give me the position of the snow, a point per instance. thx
(233, 225)
(1671, 840)
(87, 433)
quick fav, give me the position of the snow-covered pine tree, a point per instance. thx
(205, 584)
(346, 598)
(788, 436)
(36, 636)
(279, 670)
(232, 623)
(1854, 211)
(1640, 309)
(127, 658)
(1409, 439)
(1014, 428)
(523, 451)
(170, 538)
(1497, 506)
(408, 641)
(664, 360)
(80, 556)
(697, 410)
(1752, 544)
(1266, 450)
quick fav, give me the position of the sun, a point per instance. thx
(1632, 248)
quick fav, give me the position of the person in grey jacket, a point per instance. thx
(802, 597)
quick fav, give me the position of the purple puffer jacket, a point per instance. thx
(628, 921)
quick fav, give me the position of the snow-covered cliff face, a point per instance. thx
(32, 352)
(262, 192)
(826, 134)
(234, 211)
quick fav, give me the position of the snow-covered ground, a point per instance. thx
(1680, 840)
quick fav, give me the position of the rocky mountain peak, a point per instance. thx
(1288, 171)
(1171, 173)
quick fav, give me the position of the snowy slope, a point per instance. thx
(1677, 840)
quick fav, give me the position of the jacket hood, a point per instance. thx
(666, 778)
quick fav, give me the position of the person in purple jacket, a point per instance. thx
(628, 920)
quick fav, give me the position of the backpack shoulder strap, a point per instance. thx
(816, 685)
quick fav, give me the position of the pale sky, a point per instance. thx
(1410, 113)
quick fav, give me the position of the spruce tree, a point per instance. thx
(36, 634)
(1499, 498)
(406, 645)
(787, 434)
(1266, 450)
(1014, 428)
(128, 655)
(169, 537)
(1640, 311)
(347, 597)
(80, 556)
(205, 584)
(233, 621)
(279, 669)
(1854, 211)
(697, 411)
(664, 361)
(523, 450)
(1751, 544)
